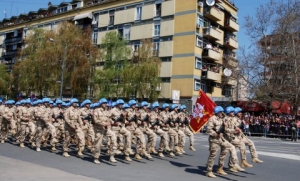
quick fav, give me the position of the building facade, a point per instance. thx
(191, 38)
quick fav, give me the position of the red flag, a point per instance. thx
(204, 109)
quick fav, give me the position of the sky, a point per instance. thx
(16, 7)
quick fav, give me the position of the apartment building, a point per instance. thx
(192, 39)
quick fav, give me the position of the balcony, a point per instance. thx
(214, 14)
(231, 25)
(13, 40)
(212, 55)
(212, 33)
(211, 75)
(231, 43)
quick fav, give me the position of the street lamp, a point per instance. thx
(62, 69)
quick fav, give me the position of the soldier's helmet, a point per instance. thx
(8, 102)
(45, 100)
(113, 104)
(174, 106)
(74, 100)
(120, 101)
(218, 109)
(144, 103)
(155, 105)
(165, 105)
(132, 102)
(229, 109)
(125, 106)
(102, 101)
(182, 107)
(85, 102)
(58, 101)
(237, 110)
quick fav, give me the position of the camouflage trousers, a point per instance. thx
(89, 134)
(99, 134)
(60, 128)
(173, 136)
(214, 145)
(78, 133)
(5, 125)
(251, 146)
(141, 141)
(189, 134)
(163, 139)
(181, 136)
(151, 141)
(124, 135)
(238, 143)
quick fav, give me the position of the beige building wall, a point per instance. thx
(166, 49)
(167, 28)
(168, 8)
(124, 16)
(166, 69)
(148, 11)
(141, 31)
(165, 90)
(103, 20)
(101, 35)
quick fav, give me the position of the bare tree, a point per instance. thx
(272, 62)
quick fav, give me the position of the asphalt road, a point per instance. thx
(281, 162)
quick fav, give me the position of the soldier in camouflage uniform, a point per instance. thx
(246, 140)
(156, 121)
(7, 117)
(173, 136)
(174, 124)
(215, 129)
(145, 127)
(87, 128)
(73, 125)
(118, 116)
(58, 122)
(184, 125)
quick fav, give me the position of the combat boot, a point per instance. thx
(210, 174)
(245, 164)
(152, 150)
(256, 160)
(238, 168)
(161, 155)
(172, 154)
(182, 150)
(33, 145)
(221, 171)
(53, 148)
(112, 159)
(65, 154)
(127, 158)
(118, 152)
(233, 169)
(168, 148)
(177, 149)
(79, 153)
(138, 157)
(192, 148)
(96, 161)
(38, 149)
(2, 141)
(22, 145)
(13, 132)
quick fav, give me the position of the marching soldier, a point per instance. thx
(118, 117)
(134, 122)
(231, 134)
(246, 140)
(215, 129)
(156, 121)
(87, 128)
(73, 125)
(145, 126)
(7, 117)
(174, 124)
(58, 123)
(173, 142)
(184, 125)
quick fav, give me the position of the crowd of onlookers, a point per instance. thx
(271, 125)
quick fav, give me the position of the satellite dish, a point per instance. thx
(227, 72)
(210, 2)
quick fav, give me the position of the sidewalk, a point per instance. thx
(16, 170)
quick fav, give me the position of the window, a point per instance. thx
(155, 49)
(166, 38)
(111, 17)
(138, 13)
(199, 42)
(136, 47)
(166, 79)
(227, 91)
(200, 22)
(206, 86)
(126, 33)
(198, 63)
(197, 85)
(166, 59)
(157, 9)
(156, 29)
(95, 37)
